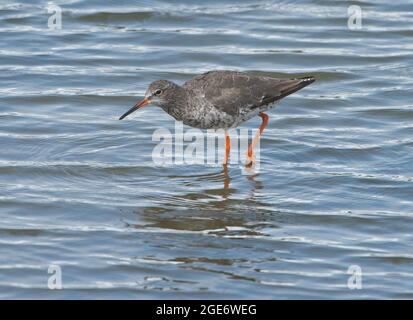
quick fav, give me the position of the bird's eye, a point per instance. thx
(157, 92)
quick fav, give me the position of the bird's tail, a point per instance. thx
(294, 85)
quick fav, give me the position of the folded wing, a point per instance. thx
(235, 92)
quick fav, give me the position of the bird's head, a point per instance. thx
(160, 92)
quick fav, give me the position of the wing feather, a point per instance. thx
(234, 92)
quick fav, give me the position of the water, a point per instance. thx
(78, 188)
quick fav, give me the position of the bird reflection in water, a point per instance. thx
(220, 211)
(227, 178)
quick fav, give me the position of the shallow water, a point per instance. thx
(78, 188)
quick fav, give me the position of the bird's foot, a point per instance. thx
(250, 161)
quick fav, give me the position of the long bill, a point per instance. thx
(137, 106)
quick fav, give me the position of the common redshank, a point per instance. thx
(221, 100)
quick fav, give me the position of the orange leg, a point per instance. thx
(250, 153)
(227, 147)
(226, 178)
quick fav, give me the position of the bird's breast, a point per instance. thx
(203, 115)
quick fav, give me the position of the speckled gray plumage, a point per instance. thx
(222, 99)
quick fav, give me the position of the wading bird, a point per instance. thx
(221, 100)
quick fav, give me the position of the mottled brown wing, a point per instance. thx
(235, 92)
